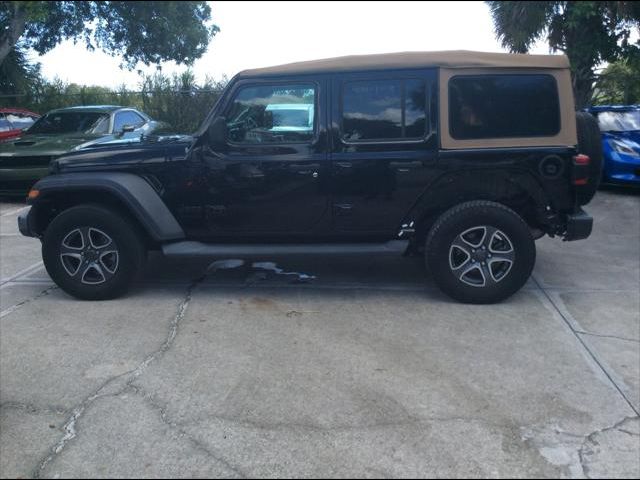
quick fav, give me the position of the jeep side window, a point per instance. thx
(501, 106)
(384, 110)
(272, 114)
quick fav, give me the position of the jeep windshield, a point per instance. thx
(71, 122)
(619, 121)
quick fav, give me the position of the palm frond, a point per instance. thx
(518, 25)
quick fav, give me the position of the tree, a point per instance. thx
(589, 33)
(17, 75)
(619, 83)
(147, 32)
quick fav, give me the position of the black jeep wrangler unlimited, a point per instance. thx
(462, 157)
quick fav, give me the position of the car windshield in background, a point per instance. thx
(71, 122)
(20, 120)
(619, 121)
(294, 116)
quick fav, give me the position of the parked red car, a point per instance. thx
(14, 120)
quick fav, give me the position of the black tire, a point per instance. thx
(85, 237)
(503, 272)
(589, 143)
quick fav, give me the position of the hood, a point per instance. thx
(633, 135)
(54, 145)
(122, 154)
(28, 145)
(630, 139)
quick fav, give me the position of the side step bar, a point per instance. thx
(221, 250)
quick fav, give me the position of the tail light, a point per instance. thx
(581, 164)
(582, 159)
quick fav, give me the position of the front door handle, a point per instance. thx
(305, 168)
(313, 173)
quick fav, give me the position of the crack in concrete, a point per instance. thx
(590, 438)
(70, 425)
(409, 422)
(565, 449)
(162, 410)
(21, 304)
(607, 336)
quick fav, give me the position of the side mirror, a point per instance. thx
(126, 129)
(217, 131)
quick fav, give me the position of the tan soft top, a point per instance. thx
(447, 59)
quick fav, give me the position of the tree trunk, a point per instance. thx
(626, 96)
(16, 28)
(582, 86)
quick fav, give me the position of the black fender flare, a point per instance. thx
(133, 191)
(458, 186)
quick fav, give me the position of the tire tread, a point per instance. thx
(432, 256)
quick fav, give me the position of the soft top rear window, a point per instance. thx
(503, 106)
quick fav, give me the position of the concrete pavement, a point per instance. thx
(366, 370)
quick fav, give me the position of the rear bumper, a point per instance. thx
(24, 224)
(579, 226)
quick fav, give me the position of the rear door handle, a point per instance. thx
(343, 164)
(342, 209)
(342, 168)
(405, 166)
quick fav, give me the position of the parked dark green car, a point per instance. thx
(25, 160)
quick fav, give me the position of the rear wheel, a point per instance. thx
(92, 253)
(480, 252)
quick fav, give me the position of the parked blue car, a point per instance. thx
(620, 127)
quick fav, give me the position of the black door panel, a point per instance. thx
(375, 182)
(262, 194)
(259, 186)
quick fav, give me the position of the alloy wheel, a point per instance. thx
(89, 255)
(481, 256)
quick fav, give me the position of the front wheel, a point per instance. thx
(480, 252)
(92, 252)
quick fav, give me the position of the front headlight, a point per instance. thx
(626, 148)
